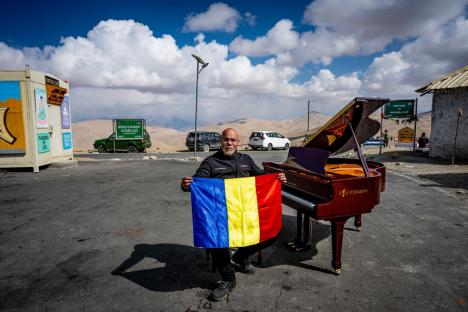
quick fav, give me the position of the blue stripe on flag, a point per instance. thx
(209, 213)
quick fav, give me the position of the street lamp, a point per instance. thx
(204, 64)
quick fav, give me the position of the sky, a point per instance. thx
(267, 59)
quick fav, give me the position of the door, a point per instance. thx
(55, 131)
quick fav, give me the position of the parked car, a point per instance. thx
(376, 141)
(131, 146)
(268, 140)
(206, 141)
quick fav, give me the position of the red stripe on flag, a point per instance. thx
(269, 205)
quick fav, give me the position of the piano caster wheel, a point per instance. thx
(358, 228)
(338, 271)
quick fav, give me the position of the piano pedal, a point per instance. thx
(302, 248)
(298, 247)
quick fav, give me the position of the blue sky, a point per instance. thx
(267, 58)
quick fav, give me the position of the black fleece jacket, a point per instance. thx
(221, 166)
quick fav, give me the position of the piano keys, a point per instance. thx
(331, 188)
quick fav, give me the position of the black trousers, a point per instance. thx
(221, 257)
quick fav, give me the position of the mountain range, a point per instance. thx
(165, 139)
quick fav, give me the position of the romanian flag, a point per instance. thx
(235, 212)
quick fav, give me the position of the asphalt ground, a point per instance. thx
(63, 231)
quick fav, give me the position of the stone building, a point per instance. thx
(450, 99)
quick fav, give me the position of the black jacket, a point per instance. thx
(221, 166)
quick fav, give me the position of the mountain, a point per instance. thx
(171, 140)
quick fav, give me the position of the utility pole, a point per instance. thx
(204, 64)
(415, 122)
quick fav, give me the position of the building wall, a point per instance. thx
(445, 106)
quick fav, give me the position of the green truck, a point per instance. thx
(128, 145)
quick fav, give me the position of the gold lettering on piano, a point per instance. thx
(345, 192)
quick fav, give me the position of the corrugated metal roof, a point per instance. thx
(456, 79)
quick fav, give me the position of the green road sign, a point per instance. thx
(129, 129)
(399, 109)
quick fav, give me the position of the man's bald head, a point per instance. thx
(229, 141)
(230, 131)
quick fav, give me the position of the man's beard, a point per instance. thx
(228, 152)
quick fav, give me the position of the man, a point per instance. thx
(423, 140)
(386, 138)
(224, 164)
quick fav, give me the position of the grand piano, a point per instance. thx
(333, 188)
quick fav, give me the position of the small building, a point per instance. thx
(35, 123)
(450, 99)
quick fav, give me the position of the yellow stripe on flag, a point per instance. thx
(242, 211)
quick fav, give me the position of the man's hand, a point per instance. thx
(185, 184)
(282, 178)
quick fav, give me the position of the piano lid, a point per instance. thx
(336, 137)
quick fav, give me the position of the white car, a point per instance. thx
(268, 140)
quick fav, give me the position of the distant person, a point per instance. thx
(386, 138)
(423, 140)
(224, 164)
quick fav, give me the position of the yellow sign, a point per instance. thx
(12, 138)
(406, 135)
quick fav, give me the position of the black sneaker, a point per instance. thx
(222, 291)
(243, 265)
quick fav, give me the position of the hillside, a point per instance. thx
(171, 140)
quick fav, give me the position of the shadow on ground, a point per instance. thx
(412, 157)
(449, 180)
(179, 267)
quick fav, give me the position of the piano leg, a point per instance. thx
(307, 232)
(298, 238)
(302, 239)
(337, 226)
(358, 222)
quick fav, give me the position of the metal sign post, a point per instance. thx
(381, 135)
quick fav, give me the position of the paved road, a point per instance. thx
(63, 231)
(259, 156)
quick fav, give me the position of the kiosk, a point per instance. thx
(35, 122)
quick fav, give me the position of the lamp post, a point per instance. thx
(204, 64)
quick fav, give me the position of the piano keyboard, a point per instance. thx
(298, 199)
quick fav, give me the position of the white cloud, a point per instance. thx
(219, 16)
(382, 21)
(120, 68)
(250, 19)
(355, 27)
(278, 39)
(420, 61)
(398, 74)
